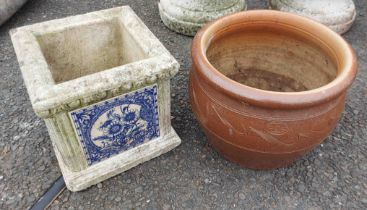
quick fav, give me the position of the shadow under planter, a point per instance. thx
(101, 81)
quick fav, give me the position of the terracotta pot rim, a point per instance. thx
(341, 50)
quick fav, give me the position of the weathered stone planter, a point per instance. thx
(188, 16)
(101, 81)
(338, 15)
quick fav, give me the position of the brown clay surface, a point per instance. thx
(267, 89)
(266, 80)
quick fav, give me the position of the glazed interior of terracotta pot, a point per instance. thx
(90, 48)
(270, 59)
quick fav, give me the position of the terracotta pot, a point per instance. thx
(268, 86)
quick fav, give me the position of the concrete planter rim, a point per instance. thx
(46, 95)
(342, 52)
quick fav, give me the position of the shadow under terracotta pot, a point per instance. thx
(268, 86)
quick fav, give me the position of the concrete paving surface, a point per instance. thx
(193, 176)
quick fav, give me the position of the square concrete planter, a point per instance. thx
(101, 82)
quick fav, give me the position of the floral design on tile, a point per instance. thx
(118, 124)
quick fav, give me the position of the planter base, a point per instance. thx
(188, 17)
(76, 181)
(182, 27)
(8, 8)
(339, 16)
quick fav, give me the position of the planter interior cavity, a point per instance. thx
(101, 82)
(86, 49)
(272, 60)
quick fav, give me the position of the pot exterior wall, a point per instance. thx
(256, 137)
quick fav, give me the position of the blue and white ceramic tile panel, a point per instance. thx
(117, 124)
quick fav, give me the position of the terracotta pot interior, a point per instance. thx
(272, 59)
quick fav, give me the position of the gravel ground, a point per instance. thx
(193, 176)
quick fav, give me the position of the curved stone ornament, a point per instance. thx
(188, 16)
(338, 15)
(8, 8)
